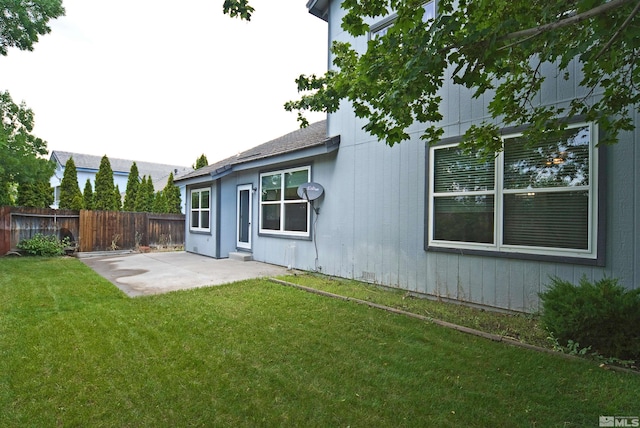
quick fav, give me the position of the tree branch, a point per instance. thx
(617, 33)
(613, 4)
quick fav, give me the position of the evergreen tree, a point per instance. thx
(78, 202)
(104, 188)
(133, 184)
(69, 189)
(38, 194)
(139, 205)
(150, 194)
(87, 196)
(160, 202)
(200, 162)
(144, 198)
(27, 195)
(117, 199)
(172, 195)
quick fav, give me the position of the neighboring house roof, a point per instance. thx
(312, 136)
(159, 172)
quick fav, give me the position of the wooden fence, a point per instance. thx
(91, 230)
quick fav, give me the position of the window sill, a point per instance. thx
(520, 256)
(200, 231)
(284, 236)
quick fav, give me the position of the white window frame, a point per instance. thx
(199, 210)
(380, 28)
(498, 193)
(282, 202)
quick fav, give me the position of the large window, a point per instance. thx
(200, 210)
(282, 211)
(534, 197)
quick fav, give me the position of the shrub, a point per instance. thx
(43, 245)
(602, 315)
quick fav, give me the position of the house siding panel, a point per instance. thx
(202, 242)
(623, 200)
(381, 235)
(228, 216)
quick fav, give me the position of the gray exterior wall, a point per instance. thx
(372, 224)
(372, 219)
(297, 253)
(205, 243)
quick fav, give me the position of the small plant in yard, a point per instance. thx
(571, 348)
(600, 316)
(114, 242)
(43, 245)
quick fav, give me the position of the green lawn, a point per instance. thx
(75, 351)
(519, 327)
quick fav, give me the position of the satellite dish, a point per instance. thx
(310, 191)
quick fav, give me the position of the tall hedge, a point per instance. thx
(103, 196)
(117, 198)
(38, 194)
(70, 195)
(133, 183)
(145, 196)
(172, 195)
(87, 195)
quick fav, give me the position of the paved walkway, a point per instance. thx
(139, 274)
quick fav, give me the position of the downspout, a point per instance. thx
(218, 213)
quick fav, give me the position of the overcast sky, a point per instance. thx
(165, 81)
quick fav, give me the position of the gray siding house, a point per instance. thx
(247, 205)
(430, 220)
(87, 167)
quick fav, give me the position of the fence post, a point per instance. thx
(5, 230)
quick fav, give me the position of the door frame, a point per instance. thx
(248, 188)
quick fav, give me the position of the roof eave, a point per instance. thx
(221, 172)
(327, 145)
(319, 8)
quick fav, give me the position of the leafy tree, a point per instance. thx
(132, 188)
(37, 195)
(201, 162)
(495, 49)
(21, 153)
(238, 8)
(69, 189)
(21, 22)
(171, 193)
(87, 195)
(104, 188)
(117, 198)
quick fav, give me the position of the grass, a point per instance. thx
(75, 351)
(521, 327)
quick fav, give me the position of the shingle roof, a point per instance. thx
(159, 172)
(313, 135)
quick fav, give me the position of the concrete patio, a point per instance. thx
(139, 274)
